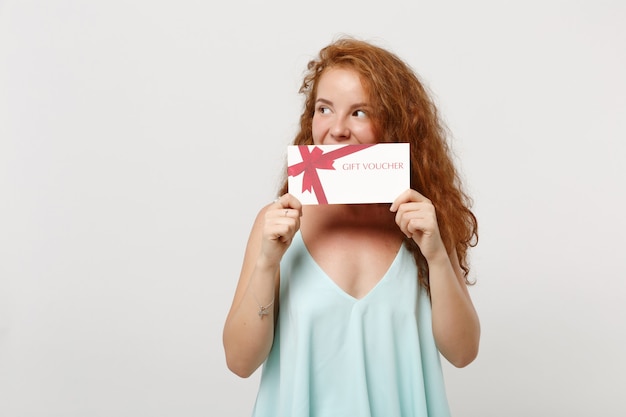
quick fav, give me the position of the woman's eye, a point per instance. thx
(323, 110)
(359, 113)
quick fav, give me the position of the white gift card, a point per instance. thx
(348, 174)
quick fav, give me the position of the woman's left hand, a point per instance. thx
(417, 218)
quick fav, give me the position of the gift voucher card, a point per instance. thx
(348, 174)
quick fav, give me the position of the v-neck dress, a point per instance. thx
(337, 356)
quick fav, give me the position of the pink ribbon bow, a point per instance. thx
(317, 159)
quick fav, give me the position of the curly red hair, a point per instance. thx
(403, 111)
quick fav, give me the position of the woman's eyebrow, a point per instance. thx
(353, 106)
(323, 100)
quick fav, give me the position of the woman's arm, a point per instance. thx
(455, 323)
(249, 328)
(456, 327)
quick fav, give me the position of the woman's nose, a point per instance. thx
(340, 130)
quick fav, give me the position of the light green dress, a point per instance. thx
(338, 356)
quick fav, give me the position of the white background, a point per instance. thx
(139, 138)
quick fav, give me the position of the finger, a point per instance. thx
(406, 196)
(289, 215)
(282, 233)
(416, 225)
(411, 223)
(288, 201)
(282, 221)
(407, 210)
(283, 212)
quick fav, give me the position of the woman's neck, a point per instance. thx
(371, 215)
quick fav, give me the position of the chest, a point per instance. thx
(355, 261)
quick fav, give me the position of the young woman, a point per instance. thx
(349, 307)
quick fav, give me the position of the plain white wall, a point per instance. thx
(139, 138)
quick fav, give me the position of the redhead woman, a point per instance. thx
(349, 307)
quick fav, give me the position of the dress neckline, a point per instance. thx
(331, 281)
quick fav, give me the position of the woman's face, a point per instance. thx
(342, 110)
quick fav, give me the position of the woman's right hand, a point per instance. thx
(248, 337)
(282, 221)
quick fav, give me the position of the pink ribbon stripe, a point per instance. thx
(317, 159)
